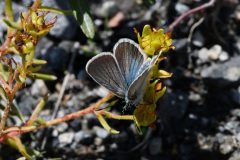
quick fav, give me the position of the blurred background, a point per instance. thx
(198, 117)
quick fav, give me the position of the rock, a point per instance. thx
(66, 26)
(39, 88)
(236, 112)
(84, 137)
(173, 106)
(98, 141)
(57, 59)
(231, 125)
(198, 39)
(62, 127)
(66, 138)
(223, 74)
(235, 95)
(42, 47)
(26, 102)
(213, 54)
(202, 54)
(100, 132)
(235, 155)
(223, 56)
(155, 146)
(108, 9)
(226, 147)
(181, 8)
(67, 46)
(100, 91)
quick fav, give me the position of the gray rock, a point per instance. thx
(84, 137)
(57, 59)
(100, 132)
(39, 88)
(108, 9)
(235, 94)
(236, 112)
(235, 155)
(227, 145)
(215, 53)
(155, 146)
(26, 102)
(66, 138)
(42, 47)
(62, 127)
(228, 72)
(173, 106)
(198, 39)
(66, 26)
(98, 141)
(181, 8)
(223, 56)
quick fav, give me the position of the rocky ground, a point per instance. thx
(199, 116)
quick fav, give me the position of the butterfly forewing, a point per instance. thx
(104, 69)
(129, 57)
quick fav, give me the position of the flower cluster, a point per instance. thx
(153, 42)
(32, 27)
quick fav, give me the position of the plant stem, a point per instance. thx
(192, 11)
(15, 131)
(4, 117)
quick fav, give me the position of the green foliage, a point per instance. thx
(81, 13)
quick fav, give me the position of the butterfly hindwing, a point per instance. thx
(136, 89)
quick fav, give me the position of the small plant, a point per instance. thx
(146, 86)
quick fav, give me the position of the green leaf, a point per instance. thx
(42, 76)
(88, 26)
(37, 110)
(105, 125)
(12, 24)
(16, 143)
(81, 13)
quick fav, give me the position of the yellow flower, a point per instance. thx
(145, 112)
(154, 41)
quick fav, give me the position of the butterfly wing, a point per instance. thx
(136, 89)
(104, 69)
(130, 58)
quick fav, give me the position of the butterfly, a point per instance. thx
(124, 72)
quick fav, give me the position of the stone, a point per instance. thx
(100, 132)
(57, 59)
(39, 88)
(223, 74)
(181, 8)
(84, 137)
(62, 127)
(226, 147)
(223, 56)
(155, 146)
(214, 52)
(198, 39)
(235, 155)
(235, 95)
(65, 27)
(66, 138)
